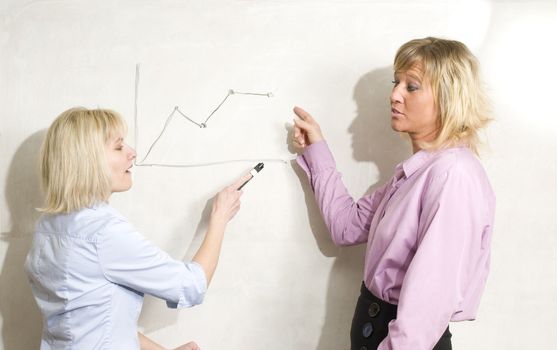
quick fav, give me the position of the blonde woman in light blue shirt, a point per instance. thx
(88, 266)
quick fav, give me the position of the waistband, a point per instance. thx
(378, 306)
(383, 310)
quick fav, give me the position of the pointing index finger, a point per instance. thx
(302, 114)
(241, 180)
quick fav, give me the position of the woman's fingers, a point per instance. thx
(227, 202)
(189, 346)
(306, 129)
(299, 136)
(240, 182)
(303, 125)
(302, 114)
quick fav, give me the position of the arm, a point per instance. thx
(127, 258)
(348, 221)
(225, 205)
(451, 230)
(208, 253)
(147, 344)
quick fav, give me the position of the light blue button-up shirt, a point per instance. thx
(89, 271)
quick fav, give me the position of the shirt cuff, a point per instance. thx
(193, 289)
(316, 157)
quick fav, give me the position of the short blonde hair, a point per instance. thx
(73, 162)
(453, 73)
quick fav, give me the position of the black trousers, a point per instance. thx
(371, 321)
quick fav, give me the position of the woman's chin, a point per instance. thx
(395, 125)
(121, 188)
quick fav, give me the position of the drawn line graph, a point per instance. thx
(230, 92)
(177, 112)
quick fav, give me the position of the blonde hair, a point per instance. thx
(73, 162)
(460, 98)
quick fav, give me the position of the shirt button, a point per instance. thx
(363, 348)
(367, 329)
(373, 309)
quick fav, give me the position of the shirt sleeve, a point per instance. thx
(348, 221)
(449, 238)
(129, 259)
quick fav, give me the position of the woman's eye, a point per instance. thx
(395, 82)
(412, 88)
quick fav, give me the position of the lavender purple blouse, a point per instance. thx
(428, 232)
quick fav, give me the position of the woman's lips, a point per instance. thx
(396, 113)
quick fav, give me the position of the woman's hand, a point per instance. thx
(227, 202)
(189, 346)
(306, 129)
(225, 205)
(148, 344)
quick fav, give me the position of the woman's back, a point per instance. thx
(82, 308)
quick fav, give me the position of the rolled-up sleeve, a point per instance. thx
(348, 221)
(129, 259)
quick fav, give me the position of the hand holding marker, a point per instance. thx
(252, 172)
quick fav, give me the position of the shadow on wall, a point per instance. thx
(373, 141)
(155, 315)
(22, 321)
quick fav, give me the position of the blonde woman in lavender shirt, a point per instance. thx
(428, 229)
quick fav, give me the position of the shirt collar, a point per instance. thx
(98, 205)
(412, 164)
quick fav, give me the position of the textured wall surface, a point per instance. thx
(281, 283)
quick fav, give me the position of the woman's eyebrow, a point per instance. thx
(117, 140)
(414, 76)
(408, 74)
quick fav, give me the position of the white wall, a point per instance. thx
(281, 284)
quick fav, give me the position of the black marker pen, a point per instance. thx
(252, 172)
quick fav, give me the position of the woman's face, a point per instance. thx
(120, 158)
(413, 107)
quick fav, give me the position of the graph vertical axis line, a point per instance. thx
(158, 137)
(135, 128)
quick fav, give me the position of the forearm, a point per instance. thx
(208, 254)
(147, 344)
(348, 221)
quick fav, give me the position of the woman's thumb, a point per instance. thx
(302, 124)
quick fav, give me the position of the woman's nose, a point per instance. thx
(396, 96)
(131, 153)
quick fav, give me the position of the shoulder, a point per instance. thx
(455, 162)
(87, 223)
(111, 222)
(458, 170)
